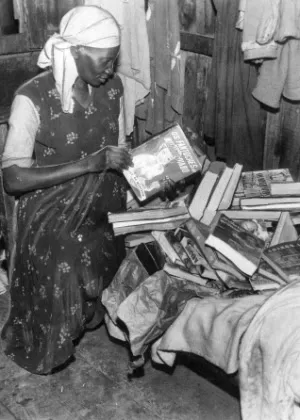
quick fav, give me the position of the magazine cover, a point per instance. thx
(257, 183)
(232, 235)
(167, 156)
(287, 257)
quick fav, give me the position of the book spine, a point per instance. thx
(202, 194)
(216, 197)
(231, 187)
(249, 215)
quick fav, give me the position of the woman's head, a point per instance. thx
(95, 65)
(87, 45)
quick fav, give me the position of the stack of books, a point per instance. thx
(228, 229)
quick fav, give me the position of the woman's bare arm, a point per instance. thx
(18, 180)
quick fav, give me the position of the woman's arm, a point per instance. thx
(18, 180)
(18, 175)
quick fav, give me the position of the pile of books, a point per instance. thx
(228, 229)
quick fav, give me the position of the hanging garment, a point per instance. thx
(259, 22)
(134, 61)
(233, 118)
(164, 105)
(271, 32)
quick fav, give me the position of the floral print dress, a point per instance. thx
(66, 252)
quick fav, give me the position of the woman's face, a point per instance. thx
(95, 65)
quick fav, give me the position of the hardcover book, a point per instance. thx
(213, 260)
(272, 216)
(285, 188)
(216, 197)
(237, 244)
(183, 274)
(231, 187)
(258, 183)
(260, 282)
(134, 239)
(167, 156)
(284, 258)
(271, 203)
(148, 214)
(165, 223)
(205, 189)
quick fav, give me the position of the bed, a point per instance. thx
(256, 337)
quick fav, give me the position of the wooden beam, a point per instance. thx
(4, 114)
(200, 44)
(14, 71)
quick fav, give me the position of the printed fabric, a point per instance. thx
(66, 252)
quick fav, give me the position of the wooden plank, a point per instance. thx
(13, 44)
(4, 114)
(195, 94)
(197, 43)
(14, 70)
(272, 138)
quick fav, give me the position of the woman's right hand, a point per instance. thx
(110, 157)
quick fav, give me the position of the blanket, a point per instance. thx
(257, 336)
(269, 367)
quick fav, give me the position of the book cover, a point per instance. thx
(285, 259)
(259, 228)
(257, 183)
(212, 261)
(165, 156)
(237, 244)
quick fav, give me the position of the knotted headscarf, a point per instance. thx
(89, 26)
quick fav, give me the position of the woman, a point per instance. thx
(63, 162)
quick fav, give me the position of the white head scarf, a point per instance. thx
(89, 26)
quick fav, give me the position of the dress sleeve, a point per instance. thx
(23, 125)
(122, 136)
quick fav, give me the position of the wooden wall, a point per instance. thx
(19, 48)
(197, 20)
(37, 19)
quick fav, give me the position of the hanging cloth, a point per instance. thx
(234, 120)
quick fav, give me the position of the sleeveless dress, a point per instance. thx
(66, 252)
